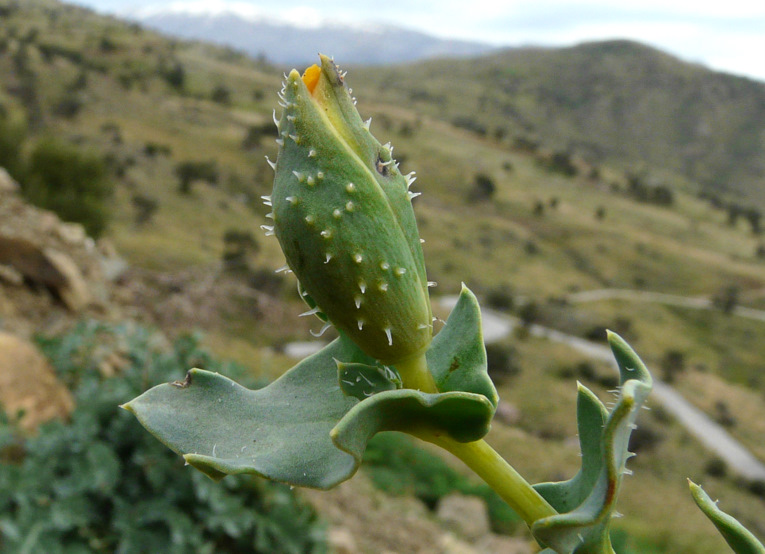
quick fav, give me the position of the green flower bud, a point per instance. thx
(344, 219)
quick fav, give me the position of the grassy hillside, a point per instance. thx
(616, 101)
(516, 223)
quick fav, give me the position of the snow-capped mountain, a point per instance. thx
(297, 37)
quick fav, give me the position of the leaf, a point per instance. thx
(587, 502)
(738, 537)
(309, 429)
(280, 432)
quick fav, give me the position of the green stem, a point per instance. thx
(416, 375)
(479, 455)
(499, 475)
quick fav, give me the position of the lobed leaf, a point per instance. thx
(587, 502)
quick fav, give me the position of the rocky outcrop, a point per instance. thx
(28, 384)
(49, 269)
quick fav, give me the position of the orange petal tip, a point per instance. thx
(311, 77)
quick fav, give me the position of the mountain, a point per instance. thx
(618, 102)
(286, 43)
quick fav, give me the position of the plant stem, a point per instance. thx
(416, 375)
(499, 475)
(479, 455)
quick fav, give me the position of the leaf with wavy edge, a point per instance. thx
(302, 429)
(586, 502)
(738, 537)
(280, 432)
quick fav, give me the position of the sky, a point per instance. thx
(726, 36)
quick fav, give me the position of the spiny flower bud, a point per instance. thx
(344, 219)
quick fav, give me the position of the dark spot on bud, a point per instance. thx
(455, 365)
(382, 167)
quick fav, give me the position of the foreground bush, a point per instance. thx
(100, 484)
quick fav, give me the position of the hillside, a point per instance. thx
(618, 102)
(522, 226)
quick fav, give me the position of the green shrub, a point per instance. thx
(502, 361)
(175, 75)
(70, 182)
(101, 484)
(483, 188)
(189, 171)
(221, 94)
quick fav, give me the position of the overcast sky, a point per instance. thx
(727, 36)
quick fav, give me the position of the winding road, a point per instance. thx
(696, 303)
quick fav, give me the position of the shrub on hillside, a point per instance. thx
(174, 75)
(502, 361)
(221, 94)
(100, 484)
(190, 171)
(238, 246)
(483, 188)
(71, 182)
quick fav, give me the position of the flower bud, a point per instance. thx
(344, 219)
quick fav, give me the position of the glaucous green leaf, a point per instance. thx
(280, 432)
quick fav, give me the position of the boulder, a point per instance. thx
(48, 268)
(28, 384)
(73, 290)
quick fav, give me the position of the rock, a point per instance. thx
(28, 383)
(73, 289)
(341, 541)
(71, 233)
(7, 184)
(113, 265)
(46, 267)
(465, 515)
(9, 275)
